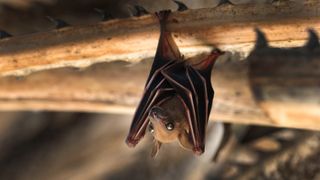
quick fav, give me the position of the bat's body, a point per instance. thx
(177, 99)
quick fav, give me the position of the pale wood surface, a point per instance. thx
(228, 27)
(117, 87)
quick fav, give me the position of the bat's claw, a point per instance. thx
(198, 150)
(163, 15)
(131, 142)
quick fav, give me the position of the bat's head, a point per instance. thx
(167, 123)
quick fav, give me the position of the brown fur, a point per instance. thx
(175, 112)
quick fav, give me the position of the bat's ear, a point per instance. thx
(156, 147)
(185, 140)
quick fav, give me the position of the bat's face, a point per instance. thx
(168, 123)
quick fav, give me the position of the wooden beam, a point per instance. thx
(116, 87)
(196, 31)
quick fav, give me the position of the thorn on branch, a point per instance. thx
(140, 11)
(4, 34)
(105, 16)
(58, 22)
(181, 6)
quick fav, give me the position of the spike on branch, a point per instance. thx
(4, 34)
(181, 6)
(105, 16)
(58, 22)
(140, 11)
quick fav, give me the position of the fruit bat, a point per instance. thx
(177, 99)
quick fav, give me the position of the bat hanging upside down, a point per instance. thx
(177, 98)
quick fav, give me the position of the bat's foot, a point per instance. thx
(163, 15)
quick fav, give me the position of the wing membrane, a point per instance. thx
(199, 88)
(139, 123)
(178, 79)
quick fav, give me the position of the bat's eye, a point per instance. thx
(170, 126)
(151, 129)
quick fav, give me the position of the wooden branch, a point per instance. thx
(117, 87)
(196, 31)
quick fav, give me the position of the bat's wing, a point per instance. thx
(167, 53)
(155, 89)
(177, 76)
(204, 68)
(193, 85)
(201, 92)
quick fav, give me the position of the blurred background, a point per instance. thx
(73, 145)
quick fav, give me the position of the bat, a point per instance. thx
(177, 99)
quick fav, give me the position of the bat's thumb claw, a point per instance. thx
(131, 142)
(198, 150)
